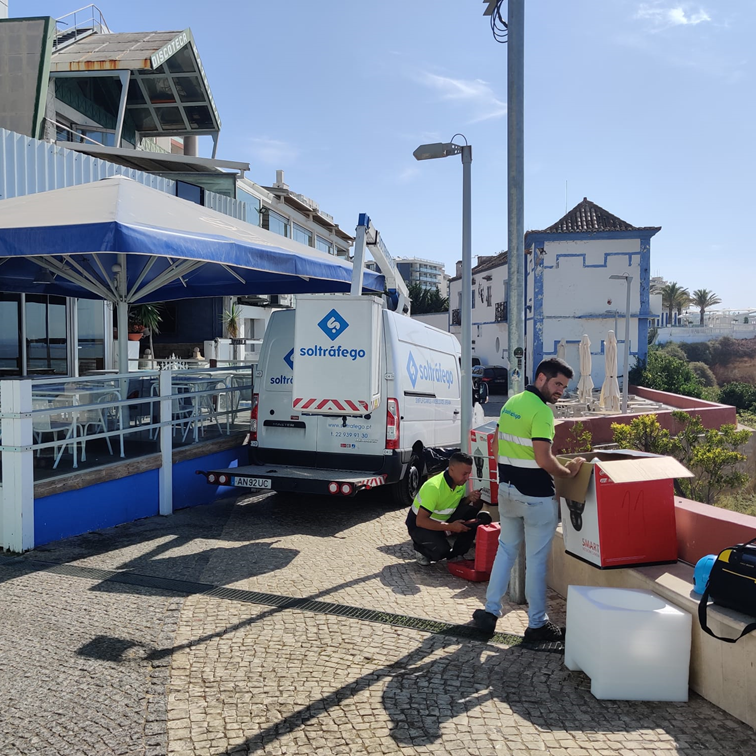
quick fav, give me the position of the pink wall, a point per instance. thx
(712, 416)
(705, 529)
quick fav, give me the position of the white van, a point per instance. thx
(352, 404)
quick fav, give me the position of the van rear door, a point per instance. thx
(278, 425)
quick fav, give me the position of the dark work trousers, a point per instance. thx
(434, 543)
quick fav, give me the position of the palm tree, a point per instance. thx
(674, 297)
(703, 299)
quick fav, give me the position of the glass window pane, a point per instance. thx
(10, 335)
(302, 235)
(277, 223)
(182, 61)
(199, 116)
(46, 335)
(91, 346)
(323, 245)
(158, 89)
(170, 119)
(189, 89)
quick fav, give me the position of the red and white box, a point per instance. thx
(484, 447)
(619, 510)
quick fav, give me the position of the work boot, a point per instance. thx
(421, 559)
(546, 633)
(485, 621)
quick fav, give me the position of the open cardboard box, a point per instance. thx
(619, 510)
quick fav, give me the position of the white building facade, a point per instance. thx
(568, 292)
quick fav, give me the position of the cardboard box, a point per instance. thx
(484, 447)
(619, 510)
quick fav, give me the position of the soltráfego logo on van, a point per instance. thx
(428, 371)
(333, 325)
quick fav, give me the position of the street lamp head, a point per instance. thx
(436, 150)
(622, 277)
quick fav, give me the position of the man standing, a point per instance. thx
(527, 506)
(440, 507)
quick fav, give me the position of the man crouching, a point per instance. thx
(441, 507)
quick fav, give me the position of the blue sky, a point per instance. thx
(646, 108)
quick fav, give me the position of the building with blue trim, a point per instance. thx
(569, 291)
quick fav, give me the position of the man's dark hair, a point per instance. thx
(552, 367)
(461, 457)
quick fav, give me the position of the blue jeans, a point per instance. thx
(536, 518)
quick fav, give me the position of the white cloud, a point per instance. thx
(662, 16)
(273, 151)
(473, 93)
(407, 175)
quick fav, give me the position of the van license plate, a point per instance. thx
(240, 480)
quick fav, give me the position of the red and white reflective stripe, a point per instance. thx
(341, 405)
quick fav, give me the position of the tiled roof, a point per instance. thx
(488, 262)
(588, 217)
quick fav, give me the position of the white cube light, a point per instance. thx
(632, 644)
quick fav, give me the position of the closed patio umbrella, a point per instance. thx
(585, 384)
(610, 393)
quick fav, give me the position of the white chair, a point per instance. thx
(100, 419)
(632, 644)
(53, 424)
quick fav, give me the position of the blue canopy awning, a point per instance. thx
(121, 241)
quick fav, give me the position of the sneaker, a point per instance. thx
(485, 621)
(547, 633)
(421, 559)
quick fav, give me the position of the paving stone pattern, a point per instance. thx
(95, 667)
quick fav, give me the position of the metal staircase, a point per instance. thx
(78, 24)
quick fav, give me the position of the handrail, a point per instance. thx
(72, 131)
(95, 21)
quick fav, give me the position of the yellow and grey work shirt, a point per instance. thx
(525, 418)
(439, 496)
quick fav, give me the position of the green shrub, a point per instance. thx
(739, 395)
(742, 502)
(579, 439)
(673, 349)
(698, 352)
(711, 455)
(747, 418)
(666, 373)
(703, 372)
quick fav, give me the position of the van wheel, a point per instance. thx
(405, 490)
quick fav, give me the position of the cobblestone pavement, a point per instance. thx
(92, 666)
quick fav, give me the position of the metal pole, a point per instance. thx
(466, 313)
(516, 229)
(123, 317)
(515, 201)
(626, 379)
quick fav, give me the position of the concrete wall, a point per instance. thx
(705, 333)
(438, 320)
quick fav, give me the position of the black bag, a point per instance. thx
(732, 583)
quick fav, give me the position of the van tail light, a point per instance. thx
(392, 424)
(253, 417)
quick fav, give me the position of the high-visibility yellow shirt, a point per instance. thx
(438, 498)
(524, 418)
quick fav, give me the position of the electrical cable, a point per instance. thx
(499, 25)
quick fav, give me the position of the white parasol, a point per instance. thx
(610, 393)
(585, 384)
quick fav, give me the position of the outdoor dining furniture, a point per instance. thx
(83, 410)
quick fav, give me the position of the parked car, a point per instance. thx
(496, 378)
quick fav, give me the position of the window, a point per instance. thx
(473, 299)
(302, 235)
(190, 192)
(488, 298)
(276, 223)
(46, 350)
(323, 245)
(91, 346)
(253, 206)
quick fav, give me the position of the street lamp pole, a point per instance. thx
(626, 379)
(441, 150)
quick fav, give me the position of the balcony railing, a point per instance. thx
(500, 314)
(456, 317)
